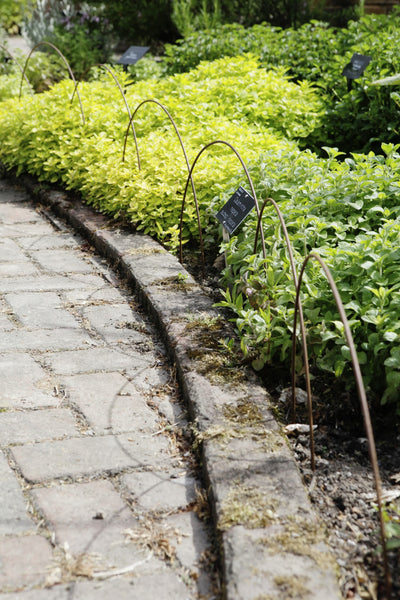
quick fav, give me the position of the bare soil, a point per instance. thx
(343, 492)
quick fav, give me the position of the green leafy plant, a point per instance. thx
(12, 13)
(188, 16)
(359, 119)
(348, 212)
(82, 34)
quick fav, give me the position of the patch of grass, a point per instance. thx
(244, 412)
(204, 321)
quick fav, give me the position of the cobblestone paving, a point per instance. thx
(99, 492)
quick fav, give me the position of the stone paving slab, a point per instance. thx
(18, 269)
(96, 359)
(92, 518)
(40, 310)
(10, 248)
(24, 383)
(13, 514)
(62, 261)
(24, 560)
(88, 297)
(116, 323)
(56, 239)
(43, 339)
(14, 231)
(19, 427)
(11, 214)
(49, 283)
(110, 403)
(166, 491)
(87, 456)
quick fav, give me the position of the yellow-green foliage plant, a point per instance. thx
(231, 99)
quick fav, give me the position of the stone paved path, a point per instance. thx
(99, 493)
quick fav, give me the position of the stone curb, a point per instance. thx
(272, 545)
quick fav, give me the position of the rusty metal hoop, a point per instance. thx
(197, 208)
(154, 101)
(301, 316)
(361, 394)
(66, 64)
(118, 84)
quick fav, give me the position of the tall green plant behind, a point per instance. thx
(189, 16)
(81, 33)
(355, 120)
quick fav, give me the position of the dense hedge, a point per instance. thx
(355, 120)
(231, 99)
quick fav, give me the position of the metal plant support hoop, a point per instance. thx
(361, 394)
(119, 86)
(197, 208)
(66, 64)
(301, 318)
(152, 100)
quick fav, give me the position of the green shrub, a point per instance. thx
(81, 34)
(224, 40)
(356, 120)
(229, 99)
(348, 211)
(12, 13)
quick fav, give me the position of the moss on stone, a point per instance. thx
(292, 587)
(300, 537)
(145, 251)
(247, 506)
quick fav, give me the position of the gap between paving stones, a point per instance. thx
(272, 545)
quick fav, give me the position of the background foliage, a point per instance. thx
(12, 13)
(81, 32)
(355, 120)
